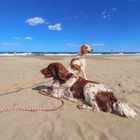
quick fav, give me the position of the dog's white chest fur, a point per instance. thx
(63, 90)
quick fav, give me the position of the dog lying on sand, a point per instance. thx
(94, 95)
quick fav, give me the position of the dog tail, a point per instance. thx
(124, 110)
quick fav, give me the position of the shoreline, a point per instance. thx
(64, 53)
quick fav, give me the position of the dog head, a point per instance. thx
(57, 71)
(85, 49)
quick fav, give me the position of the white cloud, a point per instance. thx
(72, 45)
(67, 18)
(107, 13)
(79, 16)
(55, 27)
(75, 17)
(16, 38)
(114, 9)
(25, 38)
(35, 21)
(98, 45)
(131, 0)
(81, 12)
(9, 44)
(28, 38)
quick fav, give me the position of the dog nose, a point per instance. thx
(41, 71)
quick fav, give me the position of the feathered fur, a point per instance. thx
(124, 110)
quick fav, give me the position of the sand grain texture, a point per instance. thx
(120, 73)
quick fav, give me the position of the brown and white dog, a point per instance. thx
(95, 95)
(78, 64)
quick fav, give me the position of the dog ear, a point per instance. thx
(58, 71)
(52, 69)
(62, 72)
(54, 72)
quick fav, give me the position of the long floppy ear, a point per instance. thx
(62, 72)
(53, 70)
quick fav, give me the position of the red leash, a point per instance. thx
(34, 110)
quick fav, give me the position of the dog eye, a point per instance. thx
(49, 68)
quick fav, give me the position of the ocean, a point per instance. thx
(64, 53)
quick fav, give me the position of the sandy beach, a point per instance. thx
(119, 72)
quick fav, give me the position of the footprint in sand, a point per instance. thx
(103, 136)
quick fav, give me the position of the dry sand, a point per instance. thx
(120, 73)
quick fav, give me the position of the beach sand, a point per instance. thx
(120, 73)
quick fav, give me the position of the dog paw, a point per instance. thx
(95, 109)
(46, 91)
(81, 107)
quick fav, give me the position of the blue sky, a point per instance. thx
(63, 25)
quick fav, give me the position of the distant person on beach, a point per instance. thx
(14, 53)
(112, 51)
(78, 64)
